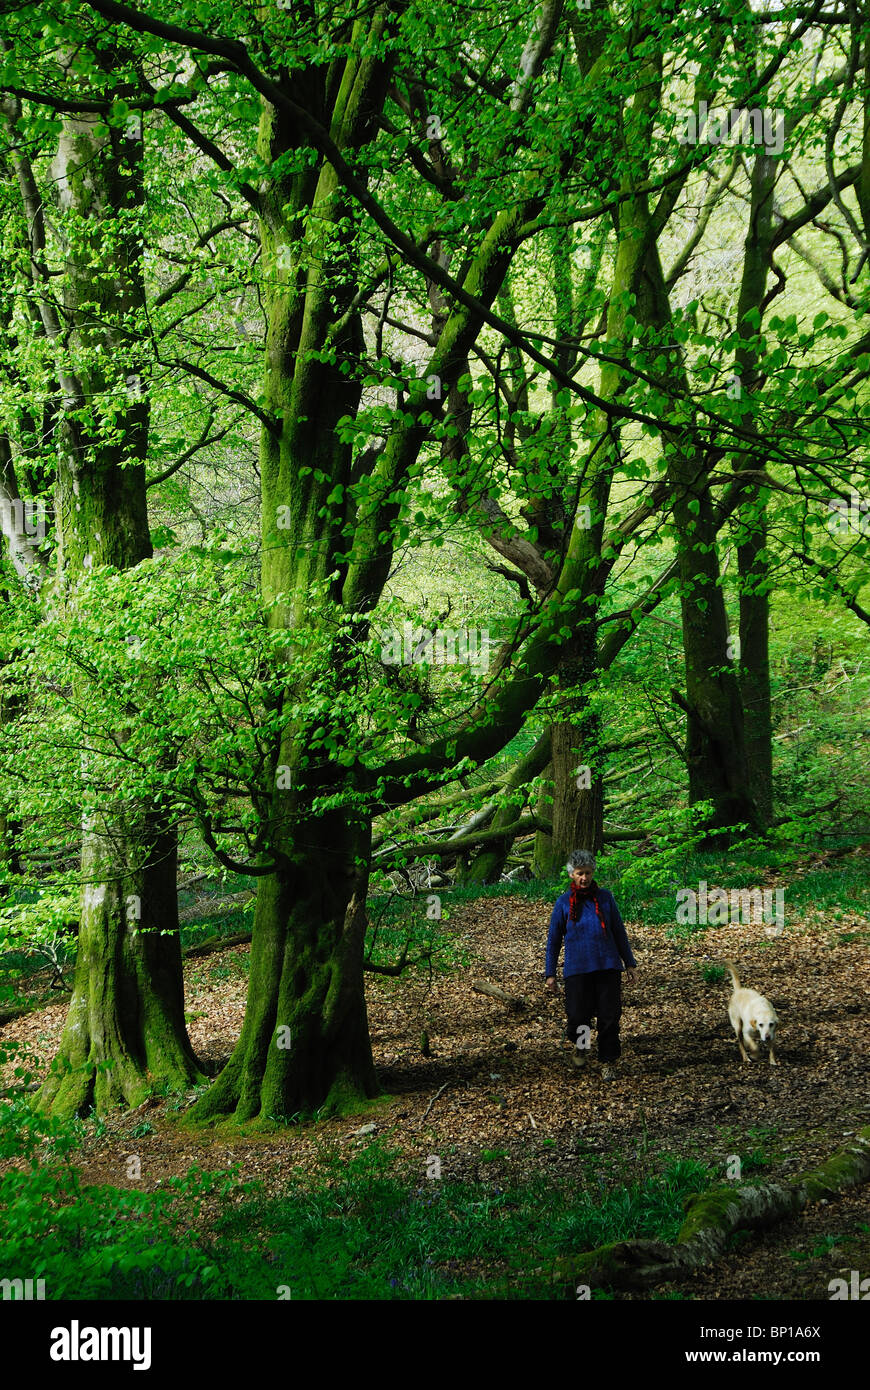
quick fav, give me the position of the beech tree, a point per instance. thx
(127, 1007)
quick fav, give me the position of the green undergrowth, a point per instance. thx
(364, 1230)
(646, 885)
(351, 1226)
(416, 932)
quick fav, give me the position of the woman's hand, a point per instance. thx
(551, 984)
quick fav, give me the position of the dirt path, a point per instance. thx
(512, 1105)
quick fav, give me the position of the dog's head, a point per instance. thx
(764, 1027)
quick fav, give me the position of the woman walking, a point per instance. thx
(597, 950)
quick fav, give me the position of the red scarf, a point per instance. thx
(581, 895)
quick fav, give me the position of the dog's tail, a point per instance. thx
(733, 973)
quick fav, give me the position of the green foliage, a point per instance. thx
(98, 1242)
(399, 929)
(237, 308)
(360, 1230)
(355, 1228)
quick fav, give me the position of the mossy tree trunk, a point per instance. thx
(304, 1045)
(124, 1036)
(125, 1033)
(577, 810)
(324, 536)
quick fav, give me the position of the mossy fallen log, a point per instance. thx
(711, 1218)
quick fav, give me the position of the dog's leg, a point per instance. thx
(740, 1044)
(773, 1061)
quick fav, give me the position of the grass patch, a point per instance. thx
(823, 1246)
(361, 1230)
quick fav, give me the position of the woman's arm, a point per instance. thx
(554, 941)
(620, 935)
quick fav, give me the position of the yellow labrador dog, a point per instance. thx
(752, 1018)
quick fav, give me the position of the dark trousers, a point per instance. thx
(597, 994)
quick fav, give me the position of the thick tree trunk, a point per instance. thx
(307, 947)
(577, 805)
(125, 1031)
(305, 1043)
(578, 795)
(715, 744)
(328, 549)
(125, 1035)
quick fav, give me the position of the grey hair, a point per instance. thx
(581, 859)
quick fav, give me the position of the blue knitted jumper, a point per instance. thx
(587, 946)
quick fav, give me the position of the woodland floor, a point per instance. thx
(513, 1106)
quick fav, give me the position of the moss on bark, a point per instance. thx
(125, 1035)
(304, 1046)
(713, 1216)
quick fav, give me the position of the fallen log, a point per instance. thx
(439, 849)
(484, 987)
(713, 1216)
(210, 908)
(217, 943)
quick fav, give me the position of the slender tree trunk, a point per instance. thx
(754, 570)
(10, 825)
(716, 754)
(752, 557)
